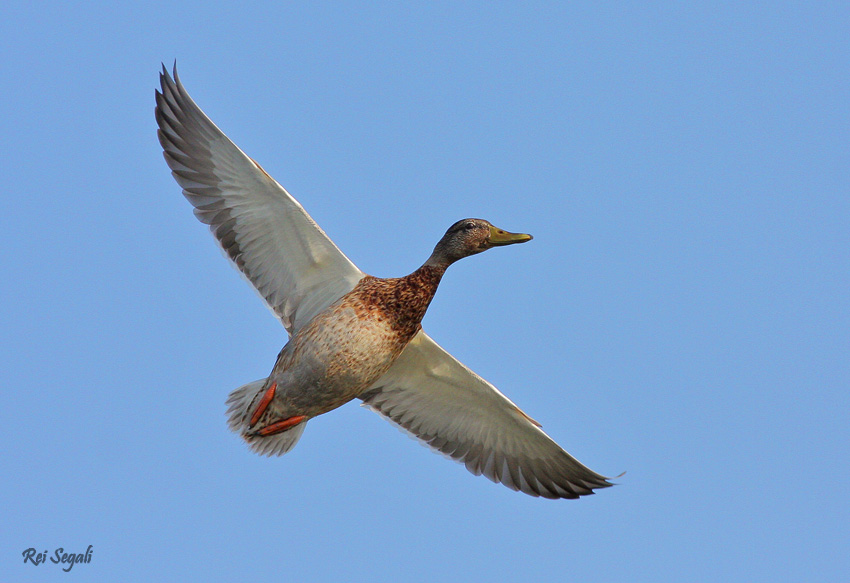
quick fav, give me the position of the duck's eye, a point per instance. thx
(469, 226)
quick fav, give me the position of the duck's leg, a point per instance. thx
(264, 404)
(279, 426)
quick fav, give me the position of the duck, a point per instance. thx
(352, 335)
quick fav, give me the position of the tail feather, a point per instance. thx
(240, 404)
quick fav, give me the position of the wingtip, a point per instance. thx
(176, 76)
(607, 482)
(165, 74)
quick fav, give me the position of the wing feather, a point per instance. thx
(445, 405)
(269, 236)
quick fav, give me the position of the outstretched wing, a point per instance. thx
(438, 400)
(269, 236)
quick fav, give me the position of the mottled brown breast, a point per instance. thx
(400, 301)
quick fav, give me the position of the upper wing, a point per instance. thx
(269, 236)
(450, 408)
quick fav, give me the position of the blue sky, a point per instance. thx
(682, 313)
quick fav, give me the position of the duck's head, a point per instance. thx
(470, 236)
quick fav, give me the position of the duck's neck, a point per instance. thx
(412, 295)
(439, 260)
(430, 273)
(424, 281)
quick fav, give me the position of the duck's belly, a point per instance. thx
(335, 358)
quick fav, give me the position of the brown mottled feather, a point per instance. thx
(402, 301)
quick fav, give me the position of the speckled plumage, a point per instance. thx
(346, 348)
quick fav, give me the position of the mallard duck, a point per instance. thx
(352, 335)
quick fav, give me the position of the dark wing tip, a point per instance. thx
(165, 78)
(174, 67)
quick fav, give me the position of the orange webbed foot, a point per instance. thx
(279, 426)
(264, 404)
